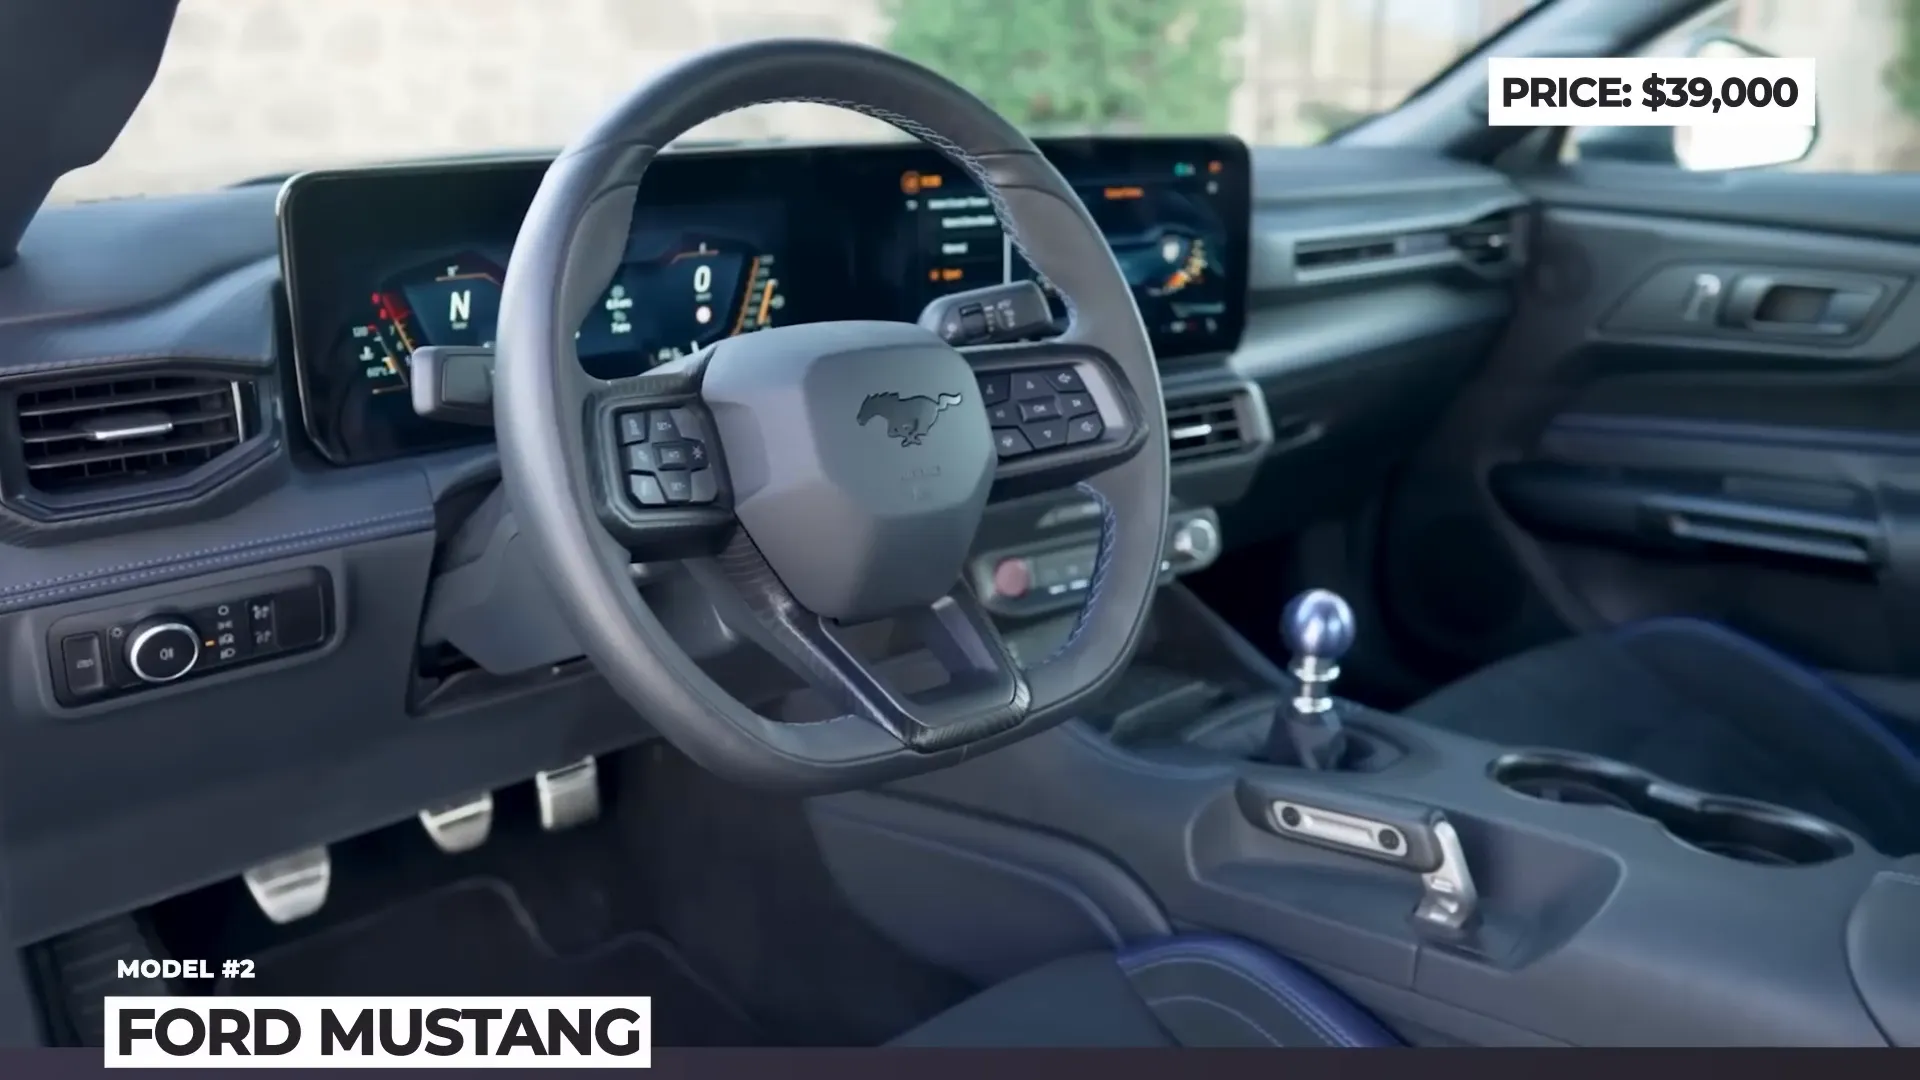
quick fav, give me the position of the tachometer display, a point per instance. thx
(455, 301)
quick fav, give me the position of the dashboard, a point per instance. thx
(380, 262)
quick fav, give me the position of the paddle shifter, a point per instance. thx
(1318, 629)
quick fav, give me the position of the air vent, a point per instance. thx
(89, 437)
(1487, 242)
(1204, 428)
(1343, 253)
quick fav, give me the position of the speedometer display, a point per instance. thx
(677, 293)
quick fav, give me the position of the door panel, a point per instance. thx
(1708, 403)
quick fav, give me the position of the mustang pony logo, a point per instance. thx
(908, 418)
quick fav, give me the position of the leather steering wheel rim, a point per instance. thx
(552, 425)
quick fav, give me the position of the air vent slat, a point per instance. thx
(48, 405)
(92, 434)
(1203, 429)
(119, 451)
(88, 437)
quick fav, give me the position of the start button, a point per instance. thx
(1012, 578)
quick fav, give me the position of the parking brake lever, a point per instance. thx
(1313, 810)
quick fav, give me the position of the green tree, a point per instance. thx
(1149, 66)
(1903, 72)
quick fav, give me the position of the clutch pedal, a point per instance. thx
(569, 795)
(292, 887)
(461, 826)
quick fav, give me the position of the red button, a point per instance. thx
(1013, 577)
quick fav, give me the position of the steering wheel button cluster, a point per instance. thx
(669, 465)
(1042, 409)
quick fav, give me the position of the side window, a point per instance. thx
(1866, 57)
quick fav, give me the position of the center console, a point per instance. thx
(1465, 892)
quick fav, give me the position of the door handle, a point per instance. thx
(1824, 537)
(1808, 306)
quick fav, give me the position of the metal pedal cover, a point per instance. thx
(292, 887)
(462, 826)
(569, 795)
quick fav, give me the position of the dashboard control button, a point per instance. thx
(671, 455)
(1040, 409)
(1064, 379)
(161, 650)
(696, 454)
(973, 323)
(677, 485)
(646, 491)
(301, 616)
(1012, 578)
(633, 427)
(83, 664)
(661, 425)
(263, 628)
(224, 637)
(1046, 434)
(706, 489)
(1077, 404)
(1030, 384)
(1195, 541)
(1085, 429)
(687, 423)
(1010, 443)
(640, 458)
(993, 389)
(1005, 414)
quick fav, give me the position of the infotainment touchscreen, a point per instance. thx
(1174, 212)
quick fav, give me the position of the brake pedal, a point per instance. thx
(462, 826)
(569, 795)
(292, 887)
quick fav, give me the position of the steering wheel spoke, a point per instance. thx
(933, 677)
(662, 490)
(1060, 410)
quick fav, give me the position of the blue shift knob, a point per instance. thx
(1318, 624)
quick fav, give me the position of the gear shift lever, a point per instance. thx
(1318, 629)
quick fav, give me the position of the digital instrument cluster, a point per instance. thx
(380, 262)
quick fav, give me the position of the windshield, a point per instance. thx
(255, 88)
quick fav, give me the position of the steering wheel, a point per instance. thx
(821, 477)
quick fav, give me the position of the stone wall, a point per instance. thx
(253, 87)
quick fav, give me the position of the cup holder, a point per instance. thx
(1749, 832)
